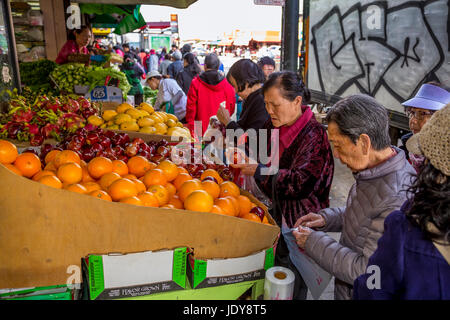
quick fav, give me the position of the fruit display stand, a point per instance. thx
(56, 227)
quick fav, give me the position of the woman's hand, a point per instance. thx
(301, 235)
(239, 160)
(311, 220)
(246, 168)
(223, 115)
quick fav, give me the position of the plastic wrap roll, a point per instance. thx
(279, 284)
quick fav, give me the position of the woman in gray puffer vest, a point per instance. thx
(358, 128)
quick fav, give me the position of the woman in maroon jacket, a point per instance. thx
(305, 162)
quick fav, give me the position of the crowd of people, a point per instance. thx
(397, 215)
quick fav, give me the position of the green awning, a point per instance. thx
(180, 4)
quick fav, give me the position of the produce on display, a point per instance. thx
(99, 76)
(150, 95)
(36, 73)
(142, 119)
(45, 117)
(137, 181)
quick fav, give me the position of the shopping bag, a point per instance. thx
(315, 277)
(249, 184)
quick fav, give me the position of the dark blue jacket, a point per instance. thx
(411, 267)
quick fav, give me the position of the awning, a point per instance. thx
(157, 25)
(180, 4)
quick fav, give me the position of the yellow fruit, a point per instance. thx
(95, 120)
(147, 107)
(146, 122)
(178, 132)
(129, 126)
(134, 113)
(121, 118)
(121, 108)
(103, 126)
(113, 127)
(109, 114)
(163, 115)
(144, 113)
(171, 123)
(156, 118)
(161, 128)
(179, 124)
(148, 129)
(110, 123)
(172, 116)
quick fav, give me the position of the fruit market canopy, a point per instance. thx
(180, 4)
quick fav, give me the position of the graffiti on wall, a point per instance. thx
(381, 45)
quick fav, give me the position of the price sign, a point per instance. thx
(99, 93)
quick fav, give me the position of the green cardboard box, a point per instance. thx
(115, 276)
(217, 272)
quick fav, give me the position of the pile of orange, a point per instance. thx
(139, 182)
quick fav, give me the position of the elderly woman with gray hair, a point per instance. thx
(358, 129)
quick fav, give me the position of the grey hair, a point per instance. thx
(361, 114)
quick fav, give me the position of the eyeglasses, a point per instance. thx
(419, 115)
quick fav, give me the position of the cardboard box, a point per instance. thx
(45, 231)
(105, 93)
(115, 276)
(204, 273)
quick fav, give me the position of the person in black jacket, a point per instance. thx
(247, 79)
(190, 71)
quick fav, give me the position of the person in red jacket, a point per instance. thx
(206, 93)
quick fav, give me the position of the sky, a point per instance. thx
(209, 19)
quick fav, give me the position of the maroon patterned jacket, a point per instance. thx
(303, 181)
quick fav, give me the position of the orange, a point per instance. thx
(148, 199)
(171, 188)
(8, 152)
(188, 187)
(140, 186)
(228, 188)
(160, 193)
(120, 167)
(42, 173)
(50, 166)
(180, 179)
(168, 206)
(70, 173)
(265, 220)
(132, 200)
(28, 163)
(86, 177)
(176, 202)
(199, 200)
(91, 186)
(129, 176)
(211, 173)
(211, 187)
(49, 157)
(76, 187)
(99, 166)
(155, 176)
(169, 168)
(138, 165)
(13, 169)
(122, 188)
(226, 205)
(245, 205)
(235, 203)
(51, 181)
(66, 156)
(217, 209)
(152, 165)
(83, 164)
(108, 178)
(100, 194)
(251, 217)
(182, 170)
(253, 205)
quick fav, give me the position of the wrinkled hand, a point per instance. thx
(311, 220)
(301, 235)
(223, 115)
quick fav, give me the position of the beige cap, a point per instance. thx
(433, 140)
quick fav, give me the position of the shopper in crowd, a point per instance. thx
(126, 49)
(431, 97)
(164, 65)
(206, 93)
(174, 48)
(169, 94)
(162, 55)
(190, 71)
(267, 64)
(119, 50)
(77, 43)
(142, 56)
(247, 80)
(305, 161)
(176, 66)
(134, 73)
(413, 255)
(152, 61)
(358, 127)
